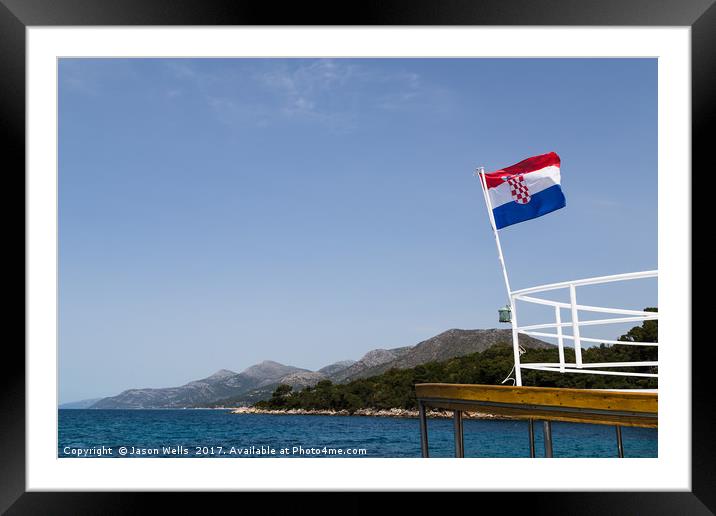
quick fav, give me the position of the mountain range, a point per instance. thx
(258, 381)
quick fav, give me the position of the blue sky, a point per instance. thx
(214, 213)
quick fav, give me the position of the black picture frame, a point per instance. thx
(17, 15)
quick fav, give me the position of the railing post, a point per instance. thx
(459, 435)
(560, 340)
(515, 341)
(532, 438)
(620, 446)
(547, 429)
(575, 326)
(423, 430)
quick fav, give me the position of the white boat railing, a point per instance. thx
(578, 366)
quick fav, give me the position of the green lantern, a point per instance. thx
(505, 314)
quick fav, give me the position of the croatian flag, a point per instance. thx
(524, 191)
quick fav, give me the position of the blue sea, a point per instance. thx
(220, 434)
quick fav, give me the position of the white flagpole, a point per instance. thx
(488, 203)
(515, 334)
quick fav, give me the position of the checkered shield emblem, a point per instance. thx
(518, 189)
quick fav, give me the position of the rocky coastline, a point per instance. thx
(394, 412)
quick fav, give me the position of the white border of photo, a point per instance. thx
(670, 471)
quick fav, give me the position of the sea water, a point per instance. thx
(185, 433)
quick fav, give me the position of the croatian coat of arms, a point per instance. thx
(518, 189)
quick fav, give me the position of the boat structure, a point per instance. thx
(567, 324)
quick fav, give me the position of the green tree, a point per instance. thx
(282, 390)
(647, 332)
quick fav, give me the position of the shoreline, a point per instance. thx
(395, 412)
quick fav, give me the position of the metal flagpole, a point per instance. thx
(483, 183)
(513, 318)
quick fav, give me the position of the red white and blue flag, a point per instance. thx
(524, 191)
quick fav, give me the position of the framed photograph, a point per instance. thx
(270, 234)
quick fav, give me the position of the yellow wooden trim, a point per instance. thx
(597, 419)
(630, 408)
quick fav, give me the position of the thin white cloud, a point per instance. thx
(331, 92)
(181, 69)
(90, 76)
